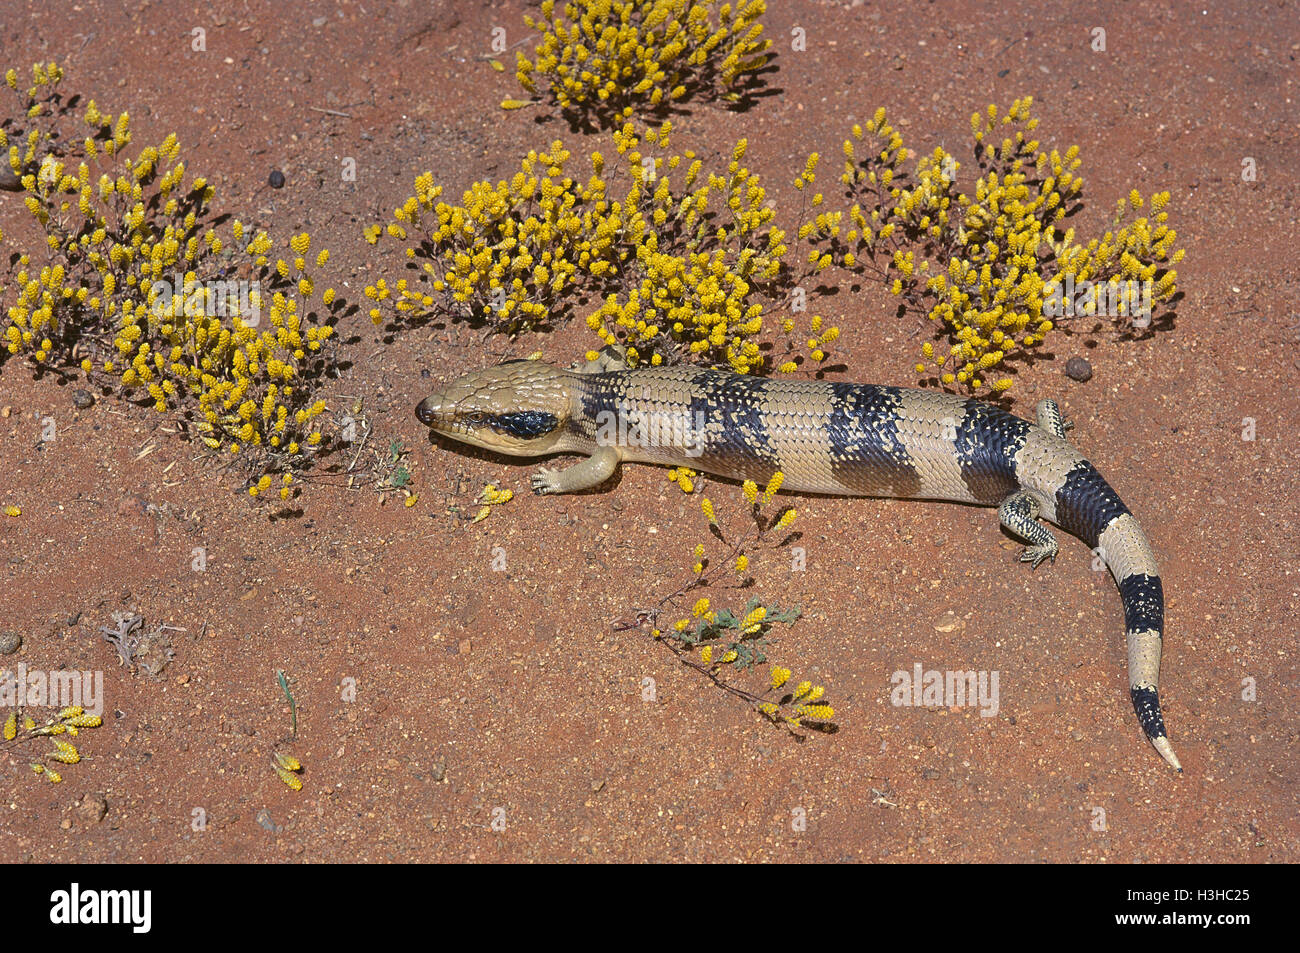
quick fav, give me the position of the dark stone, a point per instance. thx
(1078, 369)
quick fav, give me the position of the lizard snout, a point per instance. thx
(425, 413)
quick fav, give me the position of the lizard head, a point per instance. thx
(518, 408)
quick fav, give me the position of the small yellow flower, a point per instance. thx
(289, 778)
(773, 486)
(816, 712)
(288, 761)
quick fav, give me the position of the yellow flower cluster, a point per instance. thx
(699, 263)
(489, 498)
(741, 635)
(504, 255)
(287, 768)
(753, 620)
(680, 271)
(803, 703)
(609, 58)
(738, 638)
(38, 105)
(683, 477)
(153, 302)
(68, 723)
(817, 341)
(993, 265)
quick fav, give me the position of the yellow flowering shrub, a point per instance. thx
(996, 269)
(685, 261)
(133, 288)
(603, 60)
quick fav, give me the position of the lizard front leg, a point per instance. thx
(593, 471)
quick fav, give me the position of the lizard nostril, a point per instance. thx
(424, 414)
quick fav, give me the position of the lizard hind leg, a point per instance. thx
(1050, 419)
(1019, 514)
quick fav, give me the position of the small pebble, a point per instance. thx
(82, 399)
(1078, 369)
(92, 808)
(949, 622)
(9, 642)
(276, 179)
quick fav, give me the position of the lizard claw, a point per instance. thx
(1036, 554)
(545, 481)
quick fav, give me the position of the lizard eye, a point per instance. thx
(477, 417)
(525, 424)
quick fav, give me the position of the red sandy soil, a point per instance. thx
(480, 690)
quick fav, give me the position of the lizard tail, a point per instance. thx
(1087, 507)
